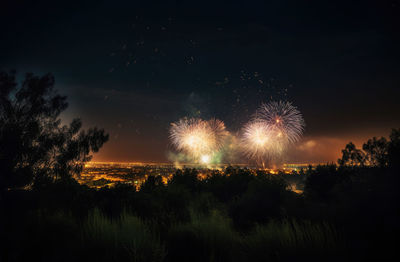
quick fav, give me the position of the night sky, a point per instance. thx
(134, 67)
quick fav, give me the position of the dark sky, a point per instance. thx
(133, 67)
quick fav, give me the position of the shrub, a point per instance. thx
(204, 238)
(262, 201)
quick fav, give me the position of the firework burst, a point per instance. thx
(286, 121)
(273, 128)
(256, 140)
(198, 138)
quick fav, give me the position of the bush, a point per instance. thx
(204, 238)
(229, 185)
(262, 201)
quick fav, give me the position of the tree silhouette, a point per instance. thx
(394, 148)
(151, 184)
(376, 151)
(351, 156)
(34, 145)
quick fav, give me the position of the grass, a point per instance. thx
(59, 236)
(206, 237)
(212, 238)
(290, 240)
(125, 239)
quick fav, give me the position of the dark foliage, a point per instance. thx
(377, 152)
(229, 185)
(262, 201)
(360, 202)
(34, 146)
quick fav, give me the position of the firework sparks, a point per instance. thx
(256, 139)
(198, 138)
(286, 121)
(205, 159)
(274, 127)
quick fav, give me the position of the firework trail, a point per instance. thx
(274, 127)
(198, 138)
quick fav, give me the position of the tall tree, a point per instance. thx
(394, 148)
(33, 142)
(376, 151)
(352, 156)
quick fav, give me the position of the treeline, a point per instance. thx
(378, 152)
(230, 216)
